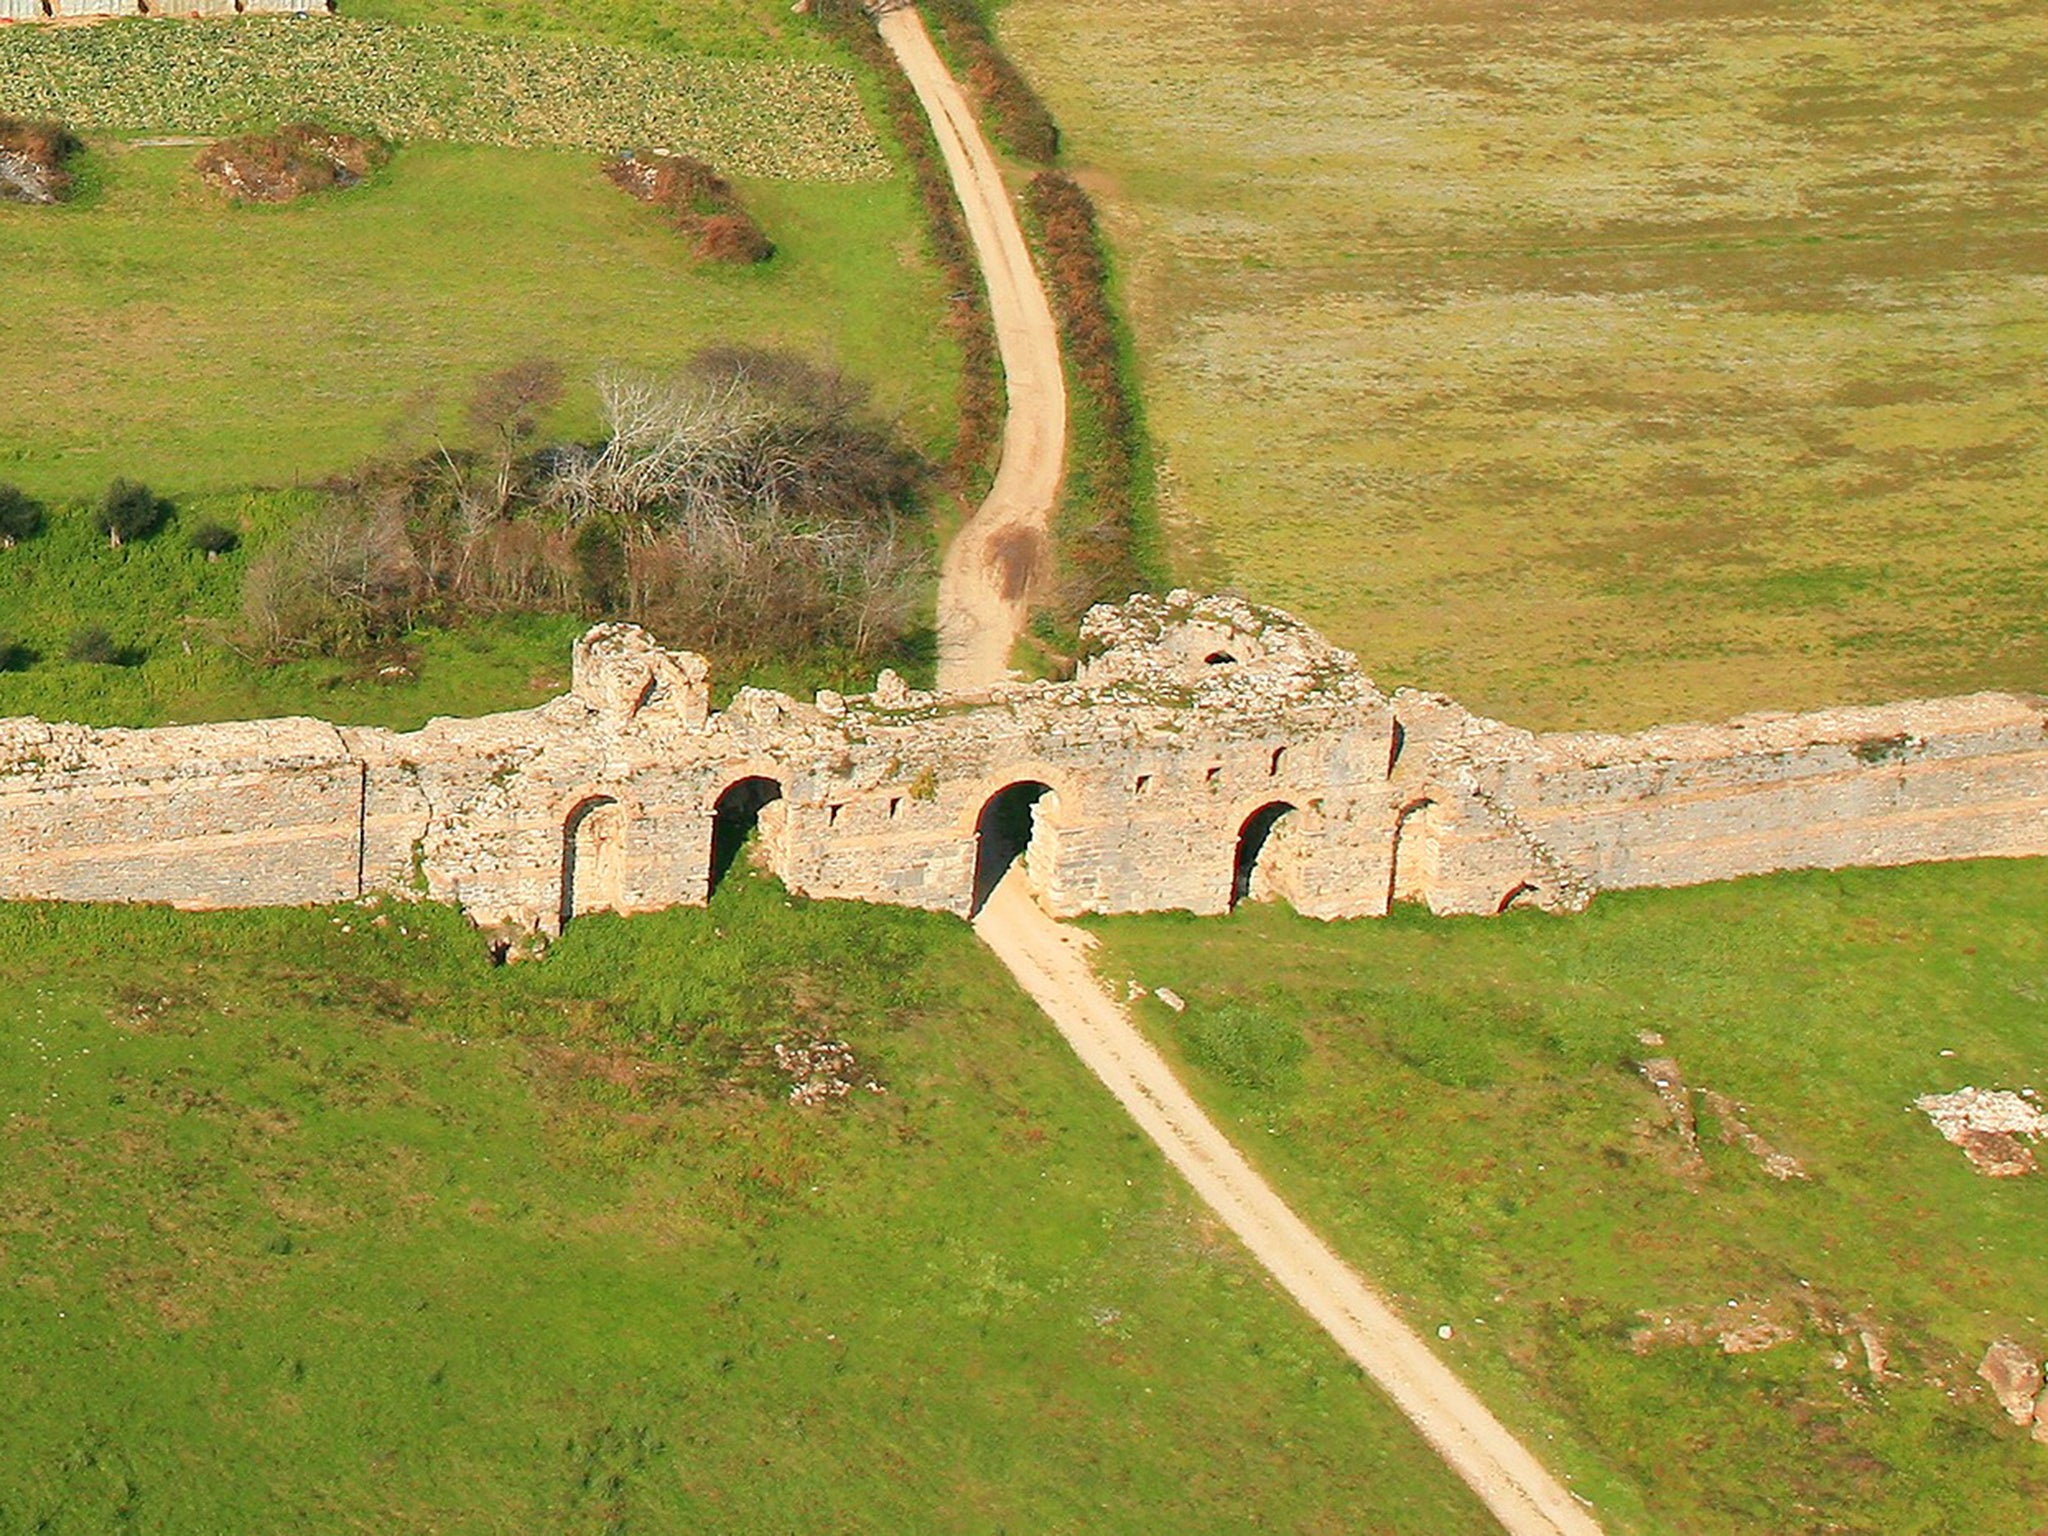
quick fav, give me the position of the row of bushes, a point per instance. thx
(1014, 112)
(981, 373)
(126, 512)
(1101, 530)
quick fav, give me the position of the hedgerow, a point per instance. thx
(981, 374)
(1102, 530)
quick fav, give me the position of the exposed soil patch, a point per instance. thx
(294, 162)
(1988, 1125)
(32, 156)
(699, 202)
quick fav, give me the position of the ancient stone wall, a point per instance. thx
(1207, 753)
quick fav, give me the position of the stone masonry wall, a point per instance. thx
(1208, 752)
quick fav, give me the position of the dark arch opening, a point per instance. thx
(1001, 834)
(1398, 875)
(1251, 842)
(1394, 746)
(1522, 895)
(1218, 659)
(734, 818)
(578, 852)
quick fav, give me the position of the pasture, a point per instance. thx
(163, 333)
(1455, 1104)
(1595, 364)
(312, 1220)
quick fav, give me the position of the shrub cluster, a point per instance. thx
(699, 202)
(1014, 112)
(33, 156)
(295, 161)
(1102, 551)
(753, 506)
(128, 511)
(21, 516)
(981, 374)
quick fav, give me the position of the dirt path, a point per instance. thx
(1051, 963)
(986, 578)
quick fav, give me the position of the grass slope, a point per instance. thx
(310, 1220)
(163, 334)
(1596, 363)
(1453, 1104)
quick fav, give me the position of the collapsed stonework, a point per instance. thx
(1207, 752)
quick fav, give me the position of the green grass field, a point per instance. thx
(1453, 1104)
(310, 1220)
(172, 337)
(1596, 364)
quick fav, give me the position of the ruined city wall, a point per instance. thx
(1208, 753)
(1573, 813)
(257, 813)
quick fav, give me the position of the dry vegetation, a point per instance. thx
(699, 202)
(295, 161)
(32, 160)
(1596, 364)
(753, 507)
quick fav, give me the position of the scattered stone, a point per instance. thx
(1735, 1131)
(891, 692)
(32, 156)
(291, 163)
(1649, 1037)
(1171, 998)
(1443, 1330)
(821, 1071)
(1754, 1338)
(831, 703)
(1875, 1355)
(2014, 1376)
(1663, 1076)
(1988, 1124)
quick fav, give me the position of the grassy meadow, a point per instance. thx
(1595, 363)
(311, 1220)
(1454, 1105)
(173, 337)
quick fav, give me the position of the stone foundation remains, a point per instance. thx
(1208, 752)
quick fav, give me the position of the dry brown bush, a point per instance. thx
(32, 160)
(295, 161)
(699, 202)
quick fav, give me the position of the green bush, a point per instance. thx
(1435, 1036)
(21, 516)
(214, 539)
(1245, 1046)
(95, 645)
(130, 510)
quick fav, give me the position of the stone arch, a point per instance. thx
(741, 809)
(1524, 894)
(1014, 825)
(593, 857)
(1262, 867)
(1412, 859)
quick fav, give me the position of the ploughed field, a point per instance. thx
(1457, 1105)
(312, 1220)
(1595, 363)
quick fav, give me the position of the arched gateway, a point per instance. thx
(1003, 832)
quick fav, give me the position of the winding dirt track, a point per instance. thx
(985, 583)
(984, 587)
(1051, 963)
